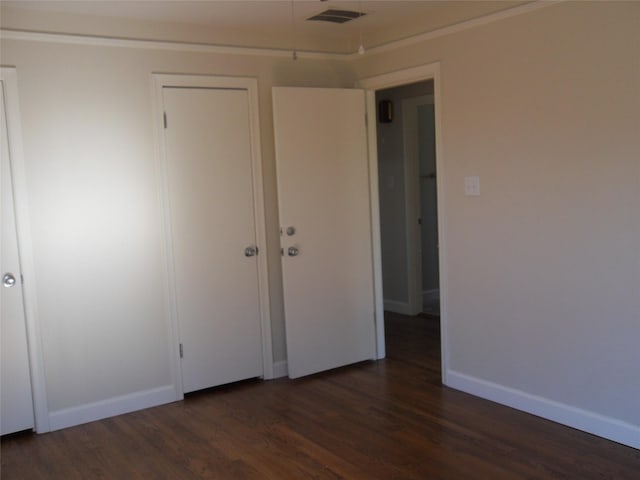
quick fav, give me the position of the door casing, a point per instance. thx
(371, 85)
(205, 81)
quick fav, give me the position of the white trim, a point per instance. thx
(159, 81)
(443, 248)
(25, 246)
(111, 407)
(380, 82)
(171, 308)
(105, 41)
(397, 307)
(261, 230)
(280, 369)
(584, 420)
(455, 28)
(397, 78)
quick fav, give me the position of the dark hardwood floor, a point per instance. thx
(390, 419)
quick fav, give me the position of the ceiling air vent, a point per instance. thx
(337, 16)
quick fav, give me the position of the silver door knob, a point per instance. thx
(293, 251)
(251, 251)
(8, 280)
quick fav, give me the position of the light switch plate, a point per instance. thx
(472, 186)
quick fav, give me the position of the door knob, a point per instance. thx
(251, 251)
(8, 280)
(293, 251)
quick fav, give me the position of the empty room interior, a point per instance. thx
(320, 239)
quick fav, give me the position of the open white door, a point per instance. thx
(16, 400)
(323, 193)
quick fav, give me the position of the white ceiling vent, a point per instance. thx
(337, 16)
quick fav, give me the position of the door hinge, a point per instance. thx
(164, 119)
(21, 279)
(366, 120)
(181, 351)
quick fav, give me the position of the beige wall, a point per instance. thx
(543, 292)
(92, 184)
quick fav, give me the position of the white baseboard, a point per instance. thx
(584, 420)
(397, 307)
(280, 369)
(90, 412)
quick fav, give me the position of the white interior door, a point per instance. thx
(209, 174)
(16, 401)
(323, 191)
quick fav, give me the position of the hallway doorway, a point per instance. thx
(408, 198)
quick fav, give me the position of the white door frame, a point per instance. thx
(393, 79)
(208, 81)
(412, 199)
(9, 78)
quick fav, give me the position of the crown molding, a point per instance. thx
(105, 41)
(100, 41)
(457, 27)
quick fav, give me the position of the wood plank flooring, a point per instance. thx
(390, 419)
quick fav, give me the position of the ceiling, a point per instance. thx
(255, 23)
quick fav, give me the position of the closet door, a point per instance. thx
(16, 402)
(209, 176)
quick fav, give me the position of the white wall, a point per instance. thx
(543, 292)
(92, 183)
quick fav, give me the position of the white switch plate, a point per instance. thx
(472, 186)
